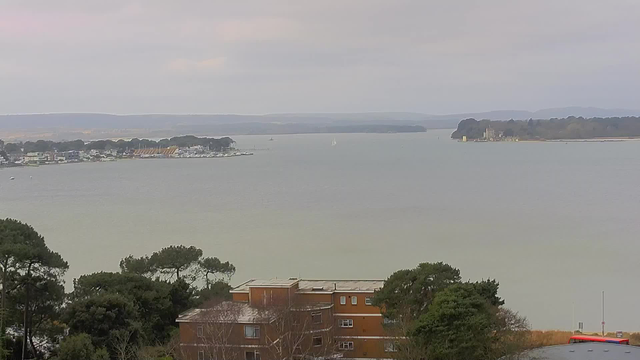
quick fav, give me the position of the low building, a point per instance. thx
(278, 319)
(51, 156)
(489, 134)
(72, 155)
(33, 158)
(148, 152)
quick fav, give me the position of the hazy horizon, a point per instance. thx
(319, 113)
(215, 57)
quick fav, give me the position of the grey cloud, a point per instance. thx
(280, 56)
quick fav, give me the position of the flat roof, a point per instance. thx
(585, 351)
(272, 282)
(227, 312)
(305, 286)
(340, 285)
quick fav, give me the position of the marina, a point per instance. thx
(22, 157)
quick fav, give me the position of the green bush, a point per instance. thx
(77, 347)
(101, 354)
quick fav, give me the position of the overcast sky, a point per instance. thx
(317, 56)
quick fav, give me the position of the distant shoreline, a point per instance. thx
(218, 130)
(570, 129)
(606, 139)
(56, 153)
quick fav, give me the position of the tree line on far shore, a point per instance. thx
(119, 145)
(553, 129)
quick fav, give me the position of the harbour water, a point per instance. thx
(554, 223)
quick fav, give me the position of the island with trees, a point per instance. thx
(570, 128)
(41, 152)
(120, 145)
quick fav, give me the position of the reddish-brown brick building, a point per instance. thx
(282, 319)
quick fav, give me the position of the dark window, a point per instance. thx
(368, 301)
(346, 323)
(316, 318)
(346, 345)
(317, 341)
(252, 355)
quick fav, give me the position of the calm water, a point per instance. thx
(555, 223)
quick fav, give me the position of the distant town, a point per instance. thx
(52, 153)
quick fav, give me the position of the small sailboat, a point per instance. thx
(334, 142)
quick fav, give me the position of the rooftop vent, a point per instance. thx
(317, 288)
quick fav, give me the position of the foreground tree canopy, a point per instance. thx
(443, 318)
(132, 314)
(107, 315)
(180, 262)
(567, 128)
(32, 290)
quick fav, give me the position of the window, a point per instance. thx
(251, 332)
(388, 321)
(368, 301)
(346, 345)
(200, 355)
(200, 331)
(316, 318)
(354, 300)
(390, 346)
(346, 323)
(252, 355)
(317, 341)
(343, 300)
